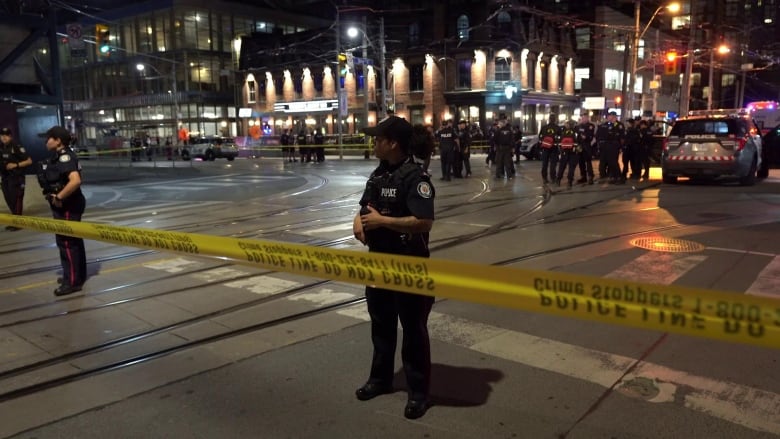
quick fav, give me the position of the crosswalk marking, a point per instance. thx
(658, 267)
(736, 403)
(767, 282)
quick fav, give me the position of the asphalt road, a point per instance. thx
(497, 372)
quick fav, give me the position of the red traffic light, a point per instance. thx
(671, 56)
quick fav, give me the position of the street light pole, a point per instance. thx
(685, 99)
(634, 59)
(141, 67)
(383, 67)
(339, 90)
(365, 70)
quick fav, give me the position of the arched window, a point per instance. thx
(504, 22)
(463, 28)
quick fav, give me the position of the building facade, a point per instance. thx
(162, 69)
(444, 60)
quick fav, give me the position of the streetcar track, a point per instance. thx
(505, 225)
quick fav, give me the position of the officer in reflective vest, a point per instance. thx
(569, 156)
(548, 138)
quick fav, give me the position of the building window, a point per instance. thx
(416, 77)
(613, 79)
(414, 34)
(727, 79)
(463, 28)
(504, 22)
(360, 77)
(641, 50)
(503, 69)
(582, 35)
(579, 75)
(252, 87)
(464, 73)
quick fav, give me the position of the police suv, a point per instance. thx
(710, 144)
(210, 148)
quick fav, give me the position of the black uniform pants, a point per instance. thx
(632, 160)
(586, 162)
(386, 307)
(549, 161)
(571, 159)
(608, 161)
(504, 165)
(467, 163)
(73, 256)
(447, 155)
(13, 191)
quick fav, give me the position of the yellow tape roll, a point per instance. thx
(681, 310)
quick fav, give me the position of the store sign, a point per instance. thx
(244, 112)
(306, 107)
(594, 103)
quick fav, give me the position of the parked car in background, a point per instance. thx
(210, 148)
(712, 144)
(529, 147)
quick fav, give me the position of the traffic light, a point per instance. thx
(102, 40)
(342, 66)
(618, 100)
(670, 63)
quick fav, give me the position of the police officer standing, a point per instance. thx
(586, 136)
(447, 147)
(569, 156)
(610, 136)
(504, 139)
(548, 138)
(464, 142)
(14, 159)
(60, 179)
(396, 217)
(645, 147)
(632, 150)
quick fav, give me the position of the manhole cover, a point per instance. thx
(670, 245)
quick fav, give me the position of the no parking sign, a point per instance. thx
(76, 40)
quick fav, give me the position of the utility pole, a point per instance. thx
(365, 72)
(339, 90)
(634, 56)
(685, 98)
(383, 67)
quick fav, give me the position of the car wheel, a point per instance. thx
(231, 158)
(536, 153)
(185, 155)
(750, 178)
(210, 156)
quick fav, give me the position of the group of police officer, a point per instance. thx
(454, 150)
(575, 145)
(60, 178)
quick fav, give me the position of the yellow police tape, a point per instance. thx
(718, 315)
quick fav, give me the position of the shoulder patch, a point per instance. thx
(21, 149)
(65, 158)
(424, 189)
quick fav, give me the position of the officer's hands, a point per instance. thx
(56, 202)
(357, 229)
(372, 220)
